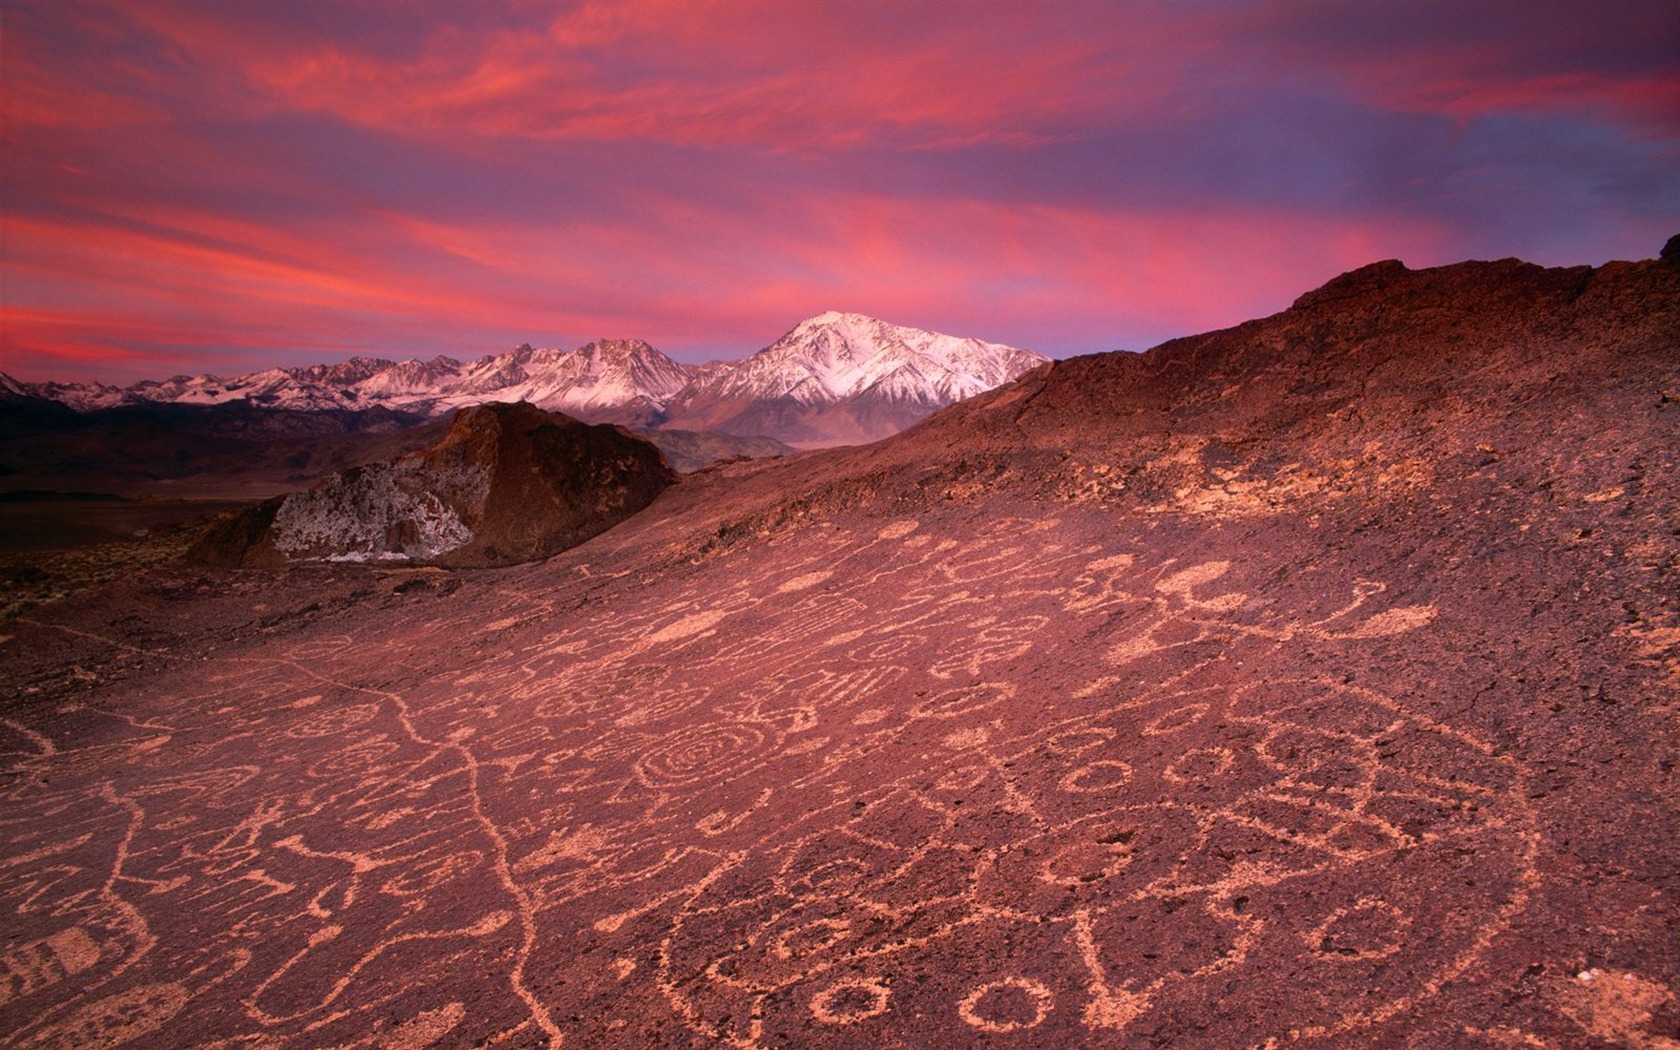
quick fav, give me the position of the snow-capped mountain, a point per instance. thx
(609, 378)
(842, 378)
(835, 356)
(834, 379)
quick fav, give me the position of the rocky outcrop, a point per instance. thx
(505, 484)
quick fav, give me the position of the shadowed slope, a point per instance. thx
(1310, 683)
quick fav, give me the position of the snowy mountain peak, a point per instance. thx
(619, 349)
(834, 318)
(834, 356)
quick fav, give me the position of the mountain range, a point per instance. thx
(837, 378)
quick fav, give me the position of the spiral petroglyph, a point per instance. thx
(718, 751)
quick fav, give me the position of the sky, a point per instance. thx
(227, 187)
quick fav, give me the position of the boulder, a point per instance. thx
(505, 484)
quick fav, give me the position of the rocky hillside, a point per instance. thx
(1309, 683)
(504, 484)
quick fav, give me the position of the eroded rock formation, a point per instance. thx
(505, 484)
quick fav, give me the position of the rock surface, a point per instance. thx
(1311, 683)
(505, 484)
(690, 450)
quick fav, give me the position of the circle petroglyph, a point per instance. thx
(1199, 765)
(850, 1000)
(1102, 775)
(814, 937)
(1008, 1005)
(1368, 929)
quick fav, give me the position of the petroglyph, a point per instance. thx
(1007, 1005)
(39, 964)
(837, 798)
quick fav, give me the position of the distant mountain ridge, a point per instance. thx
(836, 378)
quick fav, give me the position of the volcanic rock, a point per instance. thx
(505, 484)
(1310, 683)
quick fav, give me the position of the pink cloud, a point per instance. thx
(802, 78)
(704, 274)
(1651, 101)
(773, 76)
(220, 287)
(1175, 271)
(686, 276)
(1471, 60)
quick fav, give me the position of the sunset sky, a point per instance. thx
(225, 187)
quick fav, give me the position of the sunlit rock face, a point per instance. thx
(505, 484)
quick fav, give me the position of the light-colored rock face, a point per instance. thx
(404, 511)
